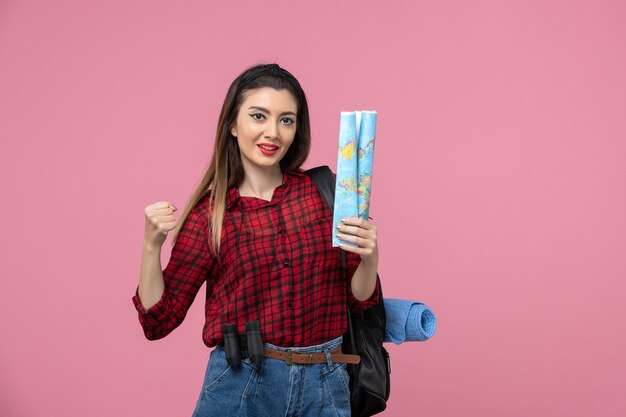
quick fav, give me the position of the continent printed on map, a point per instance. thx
(348, 185)
(347, 151)
(365, 182)
(368, 148)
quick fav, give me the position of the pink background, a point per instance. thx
(499, 189)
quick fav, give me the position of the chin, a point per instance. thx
(268, 165)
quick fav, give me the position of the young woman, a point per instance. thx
(258, 232)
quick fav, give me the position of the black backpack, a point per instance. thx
(369, 380)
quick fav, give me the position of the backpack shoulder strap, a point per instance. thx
(324, 180)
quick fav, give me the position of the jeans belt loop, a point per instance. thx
(329, 359)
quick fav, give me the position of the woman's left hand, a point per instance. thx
(364, 234)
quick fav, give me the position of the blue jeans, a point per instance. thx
(273, 388)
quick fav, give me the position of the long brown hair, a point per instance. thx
(226, 169)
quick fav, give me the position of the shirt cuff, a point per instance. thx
(357, 306)
(155, 314)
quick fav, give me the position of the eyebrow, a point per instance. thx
(263, 109)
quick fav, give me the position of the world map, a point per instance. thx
(354, 168)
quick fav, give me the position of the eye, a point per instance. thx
(287, 121)
(257, 116)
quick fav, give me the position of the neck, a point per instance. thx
(260, 183)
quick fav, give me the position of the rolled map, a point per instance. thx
(365, 161)
(346, 199)
(357, 132)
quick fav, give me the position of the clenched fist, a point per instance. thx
(159, 221)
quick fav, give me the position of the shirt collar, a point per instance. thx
(234, 198)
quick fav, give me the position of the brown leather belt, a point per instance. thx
(294, 357)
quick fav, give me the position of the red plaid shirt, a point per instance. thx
(277, 264)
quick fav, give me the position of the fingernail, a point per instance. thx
(338, 226)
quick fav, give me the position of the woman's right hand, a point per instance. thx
(159, 221)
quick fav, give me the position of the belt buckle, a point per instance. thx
(288, 357)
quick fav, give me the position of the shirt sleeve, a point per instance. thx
(353, 260)
(190, 265)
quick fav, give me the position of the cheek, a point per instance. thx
(288, 133)
(248, 129)
(288, 143)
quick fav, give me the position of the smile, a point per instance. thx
(268, 149)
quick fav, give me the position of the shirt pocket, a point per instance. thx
(317, 241)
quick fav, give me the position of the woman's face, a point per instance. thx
(265, 127)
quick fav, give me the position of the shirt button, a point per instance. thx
(282, 232)
(289, 304)
(286, 263)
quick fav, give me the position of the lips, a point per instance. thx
(268, 148)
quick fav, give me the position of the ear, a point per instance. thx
(233, 131)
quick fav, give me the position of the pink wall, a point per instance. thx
(499, 189)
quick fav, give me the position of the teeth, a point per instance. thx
(269, 148)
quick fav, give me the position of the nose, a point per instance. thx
(271, 130)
